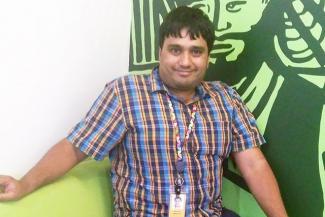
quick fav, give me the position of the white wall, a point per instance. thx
(55, 58)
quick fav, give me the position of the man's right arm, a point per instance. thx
(56, 162)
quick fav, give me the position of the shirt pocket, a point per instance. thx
(149, 145)
(212, 138)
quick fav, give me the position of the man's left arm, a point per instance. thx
(261, 181)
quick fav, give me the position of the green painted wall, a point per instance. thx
(273, 53)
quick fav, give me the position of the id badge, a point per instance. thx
(177, 205)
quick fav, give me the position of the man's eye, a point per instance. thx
(234, 6)
(196, 52)
(175, 51)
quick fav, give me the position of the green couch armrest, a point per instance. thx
(83, 192)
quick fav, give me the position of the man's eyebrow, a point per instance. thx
(173, 45)
(201, 48)
(192, 47)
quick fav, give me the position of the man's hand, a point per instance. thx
(57, 161)
(11, 189)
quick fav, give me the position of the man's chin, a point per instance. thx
(186, 86)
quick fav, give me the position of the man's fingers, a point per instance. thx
(3, 196)
(3, 183)
(7, 196)
(5, 179)
(7, 188)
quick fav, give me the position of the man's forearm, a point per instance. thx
(266, 191)
(56, 162)
(261, 181)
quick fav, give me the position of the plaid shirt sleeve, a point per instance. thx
(245, 133)
(102, 128)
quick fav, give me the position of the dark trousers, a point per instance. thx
(228, 213)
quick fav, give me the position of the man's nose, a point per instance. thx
(185, 59)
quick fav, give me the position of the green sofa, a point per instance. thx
(83, 192)
(86, 191)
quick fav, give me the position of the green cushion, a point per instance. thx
(83, 192)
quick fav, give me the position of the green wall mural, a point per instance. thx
(273, 53)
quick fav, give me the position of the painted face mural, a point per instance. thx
(231, 18)
(273, 53)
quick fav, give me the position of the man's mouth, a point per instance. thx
(183, 73)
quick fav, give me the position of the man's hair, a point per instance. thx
(193, 19)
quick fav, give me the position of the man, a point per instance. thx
(166, 134)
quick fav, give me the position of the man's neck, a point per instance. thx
(185, 96)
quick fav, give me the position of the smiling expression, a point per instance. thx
(183, 63)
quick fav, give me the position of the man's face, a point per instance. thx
(183, 62)
(232, 18)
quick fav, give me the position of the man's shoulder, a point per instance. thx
(219, 87)
(130, 80)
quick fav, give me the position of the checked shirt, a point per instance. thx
(131, 123)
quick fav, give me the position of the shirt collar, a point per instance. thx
(157, 85)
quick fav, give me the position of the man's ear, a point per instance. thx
(159, 52)
(208, 61)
